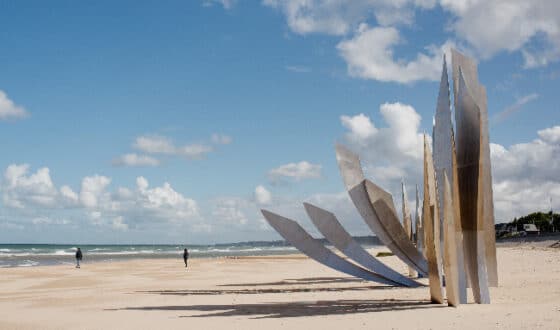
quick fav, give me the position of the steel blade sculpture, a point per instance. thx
(454, 231)
(301, 240)
(328, 225)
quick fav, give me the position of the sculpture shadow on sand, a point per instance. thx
(293, 309)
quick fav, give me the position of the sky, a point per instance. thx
(177, 121)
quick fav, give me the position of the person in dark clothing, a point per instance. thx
(78, 257)
(185, 256)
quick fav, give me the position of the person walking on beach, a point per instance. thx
(78, 257)
(185, 256)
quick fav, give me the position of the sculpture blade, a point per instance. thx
(431, 228)
(442, 154)
(418, 226)
(407, 223)
(349, 165)
(332, 230)
(450, 262)
(469, 71)
(468, 169)
(301, 240)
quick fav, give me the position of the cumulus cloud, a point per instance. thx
(516, 25)
(93, 190)
(262, 195)
(135, 160)
(296, 171)
(163, 202)
(392, 152)
(31, 192)
(531, 28)
(369, 55)
(155, 144)
(398, 143)
(537, 161)
(525, 175)
(21, 188)
(9, 110)
(550, 135)
(340, 17)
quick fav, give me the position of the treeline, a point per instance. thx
(541, 220)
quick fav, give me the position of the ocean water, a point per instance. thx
(29, 255)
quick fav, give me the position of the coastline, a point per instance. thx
(267, 291)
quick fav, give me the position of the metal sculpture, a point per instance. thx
(301, 240)
(456, 219)
(364, 194)
(332, 230)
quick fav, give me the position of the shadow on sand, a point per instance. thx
(307, 280)
(294, 309)
(264, 290)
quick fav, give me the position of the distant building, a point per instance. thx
(531, 229)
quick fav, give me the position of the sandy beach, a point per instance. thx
(268, 293)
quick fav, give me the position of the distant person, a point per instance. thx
(78, 257)
(185, 256)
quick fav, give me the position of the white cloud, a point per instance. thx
(511, 109)
(398, 143)
(19, 188)
(262, 195)
(155, 144)
(369, 55)
(531, 28)
(93, 190)
(538, 160)
(515, 25)
(164, 202)
(360, 126)
(68, 195)
(340, 17)
(135, 160)
(296, 171)
(550, 135)
(525, 175)
(194, 151)
(31, 192)
(392, 153)
(9, 110)
(221, 139)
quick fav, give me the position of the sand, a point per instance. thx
(290, 292)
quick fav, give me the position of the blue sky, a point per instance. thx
(142, 122)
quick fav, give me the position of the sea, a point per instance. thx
(29, 255)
